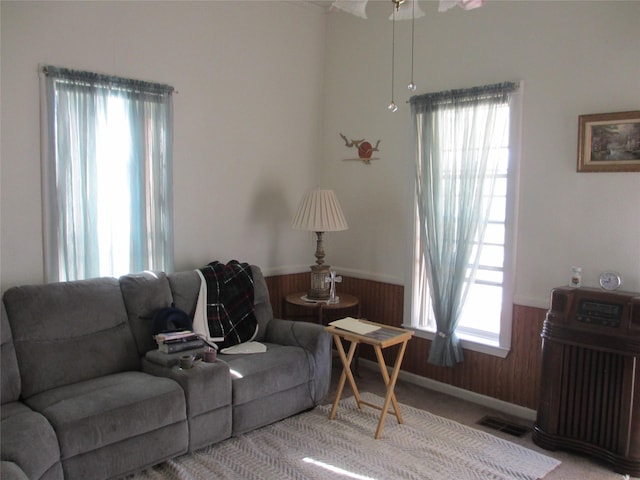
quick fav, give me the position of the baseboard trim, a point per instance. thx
(457, 392)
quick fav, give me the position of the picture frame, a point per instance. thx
(609, 142)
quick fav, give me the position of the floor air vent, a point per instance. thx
(504, 426)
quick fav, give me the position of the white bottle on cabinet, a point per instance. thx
(576, 277)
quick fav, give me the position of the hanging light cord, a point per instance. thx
(392, 106)
(412, 86)
(393, 51)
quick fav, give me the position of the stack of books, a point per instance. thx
(172, 342)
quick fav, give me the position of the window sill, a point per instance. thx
(480, 345)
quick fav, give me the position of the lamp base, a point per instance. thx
(320, 288)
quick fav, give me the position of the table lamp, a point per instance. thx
(319, 212)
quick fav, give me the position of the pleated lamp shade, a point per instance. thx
(319, 211)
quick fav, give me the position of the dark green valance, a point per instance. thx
(91, 78)
(475, 95)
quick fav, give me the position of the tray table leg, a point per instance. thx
(390, 384)
(346, 374)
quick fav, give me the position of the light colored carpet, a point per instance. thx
(310, 446)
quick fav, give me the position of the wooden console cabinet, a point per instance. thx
(590, 385)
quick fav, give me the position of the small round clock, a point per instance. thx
(610, 280)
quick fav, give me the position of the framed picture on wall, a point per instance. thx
(609, 142)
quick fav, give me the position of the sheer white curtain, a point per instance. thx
(107, 174)
(455, 176)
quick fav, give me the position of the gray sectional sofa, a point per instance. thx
(86, 395)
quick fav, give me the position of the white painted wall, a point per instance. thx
(266, 87)
(248, 129)
(574, 57)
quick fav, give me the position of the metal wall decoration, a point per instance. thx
(365, 149)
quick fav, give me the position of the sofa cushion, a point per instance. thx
(9, 374)
(121, 459)
(68, 332)
(95, 413)
(262, 374)
(144, 293)
(29, 441)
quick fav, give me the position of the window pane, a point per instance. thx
(502, 157)
(498, 207)
(500, 187)
(490, 276)
(482, 309)
(492, 256)
(494, 233)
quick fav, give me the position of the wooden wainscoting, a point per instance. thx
(514, 379)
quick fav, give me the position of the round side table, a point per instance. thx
(295, 306)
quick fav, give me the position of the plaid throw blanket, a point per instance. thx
(230, 315)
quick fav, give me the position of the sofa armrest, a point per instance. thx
(206, 386)
(315, 340)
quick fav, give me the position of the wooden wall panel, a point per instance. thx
(514, 379)
(282, 285)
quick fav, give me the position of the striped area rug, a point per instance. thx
(310, 446)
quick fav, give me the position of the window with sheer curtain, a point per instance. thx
(466, 180)
(107, 174)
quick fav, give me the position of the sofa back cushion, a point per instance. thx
(9, 373)
(185, 288)
(144, 294)
(69, 332)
